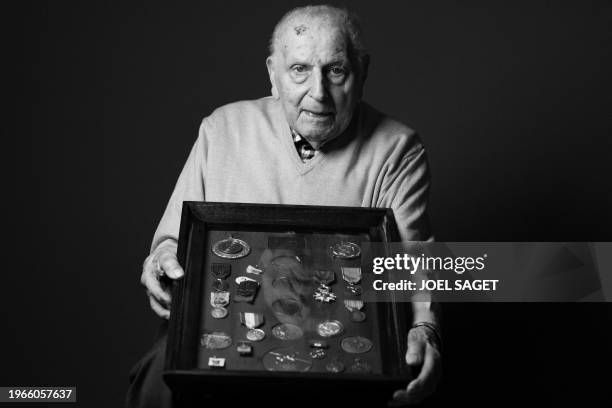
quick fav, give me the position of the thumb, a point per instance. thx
(416, 351)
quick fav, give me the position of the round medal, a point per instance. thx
(345, 250)
(358, 316)
(219, 312)
(335, 366)
(231, 248)
(216, 340)
(286, 359)
(356, 345)
(287, 331)
(256, 335)
(330, 328)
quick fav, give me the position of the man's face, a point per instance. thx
(315, 79)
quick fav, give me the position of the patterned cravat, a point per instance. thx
(304, 149)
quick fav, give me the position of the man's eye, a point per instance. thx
(337, 71)
(298, 69)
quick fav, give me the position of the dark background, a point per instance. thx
(512, 99)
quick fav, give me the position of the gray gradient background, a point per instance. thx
(512, 100)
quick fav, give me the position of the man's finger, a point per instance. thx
(150, 279)
(427, 379)
(416, 349)
(158, 308)
(169, 264)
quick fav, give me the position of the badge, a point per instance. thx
(329, 328)
(251, 320)
(231, 248)
(335, 366)
(287, 331)
(254, 270)
(353, 304)
(256, 335)
(324, 276)
(356, 345)
(358, 316)
(323, 293)
(244, 348)
(219, 299)
(351, 275)
(220, 285)
(360, 366)
(345, 250)
(286, 359)
(219, 312)
(241, 279)
(318, 354)
(352, 290)
(216, 340)
(221, 270)
(216, 362)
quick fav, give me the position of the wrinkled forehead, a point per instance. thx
(308, 38)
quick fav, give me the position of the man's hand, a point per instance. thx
(162, 262)
(423, 357)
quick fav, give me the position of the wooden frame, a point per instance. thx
(181, 371)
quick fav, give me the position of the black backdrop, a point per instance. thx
(512, 99)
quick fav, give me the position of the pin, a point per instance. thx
(231, 248)
(356, 344)
(215, 340)
(345, 250)
(329, 328)
(241, 279)
(221, 270)
(256, 335)
(351, 275)
(254, 270)
(219, 299)
(219, 312)
(216, 362)
(244, 348)
(319, 344)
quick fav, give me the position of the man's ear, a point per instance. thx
(270, 65)
(363, 74)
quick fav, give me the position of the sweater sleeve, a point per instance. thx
(189, 187)
(406, 191)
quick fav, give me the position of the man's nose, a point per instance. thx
(318, 86)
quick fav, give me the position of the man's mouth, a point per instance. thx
(318, 114)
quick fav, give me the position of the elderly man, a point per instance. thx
(313, 142)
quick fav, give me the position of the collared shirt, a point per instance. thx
(304, 149)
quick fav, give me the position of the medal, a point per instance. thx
(352, 290)
(335, 366)
(319, 344)
(215, 340)
(220, 285)
(231, 248)
(287, 331)
(286, 359)
(241, 279)
(251, 320)
(287, 306)
(246, 291)
(329, 328)
(216, 362)
(219, 299)
(360, 366)
(256, 335)
(356, 345)
(324, 276)
(351, 275)
(345, 250)
(353, 304)
(244, 348)
(318, 354)
(219, 312)
(221, 270)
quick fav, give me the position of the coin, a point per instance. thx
(360, 367)
(286, 359)
(318, 354)
(219, 312)
(346, 250)
(231, 248)
(335, 366)
(358, 316)
(287, 331)
(216, 340)
(256, 335)
(329, 328)
(356, 344)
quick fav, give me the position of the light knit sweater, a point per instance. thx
(244, 153)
